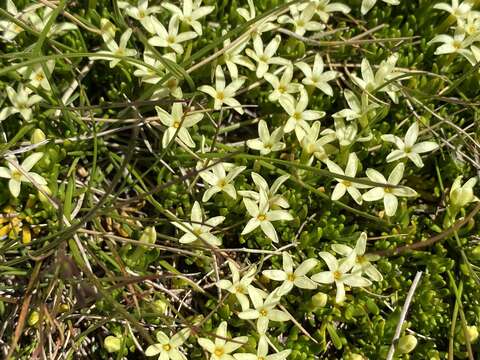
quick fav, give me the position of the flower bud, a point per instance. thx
(462, 195)
(319, 300)
(472, 334)
(149, 235)
(406, 344)
(112, 344)
(33, 318)
(160, 306)
(38, 136)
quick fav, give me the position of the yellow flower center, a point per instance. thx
(337, 275)
(457, 44)
(263, 312)
(263, 58)
(297, 116)
(141, 14)
(219, 352)
(220, 95)
(261, 217)
(282, 89)
(176, 124)
(347, 183)
(171, 39)
(16, 175)
(387, 190)
(291, 277)
(221, 183)
(39, 77)
(166, 347)
(240, 289)
(361, 259)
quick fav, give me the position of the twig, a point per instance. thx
(403, 314)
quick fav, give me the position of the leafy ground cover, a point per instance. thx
(239, 179)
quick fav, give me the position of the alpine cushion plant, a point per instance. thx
(240, 180)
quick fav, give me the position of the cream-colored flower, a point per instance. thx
(266, 142)
(21, 101)
(223, 346)
(315, 76)
(407, 148)
(292, 277)
(283, 86)
(169, 348)
(264, 57)
(220, 181)
(177, 124)
(142, 12)
(222, 94)
(387, 193)
(298, 115)
(339, 273)
(363, 262)
(190, 13)
(171, 38)
(302, 19)
(199, 228)
(16, 177)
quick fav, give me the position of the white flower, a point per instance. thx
(177, 123)
(317, 147)
(39, 22)
(292, 278)
(302, 20)
(323, 8)
(221, 94)
(9, 28)
(371, 82)
(262, 353)
(117, 49)
(171, 38)
(457, 10)
(347, 134)
(260, 26)
(191, 12)
(233, 57)
(263, 216)
(239, 286)
(458, 43)
(36, 74)
(222, 347)
(470, 25)
(267, 142)
(407, 148)
(344, 186)
(360, 109)
(362, 261)
(462, 195)
(169, 348)
(338, 273)
(298, 115)
(387, 193)
(275, 201)
(219, 180)
(264, 57)
(368, 4)
(199, 228)
(264, 310)
(21, 103)
(16, 176)
(147, 74)
(142, 12)
(314, 76)
(282, 86)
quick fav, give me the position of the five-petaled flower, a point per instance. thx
(177, 123)
(21, 173)
(168, 348)
(407, 148)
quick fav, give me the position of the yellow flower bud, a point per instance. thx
(33, 318)
(112, 344)
(38, 136)
(319, 300)
(406, 344)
